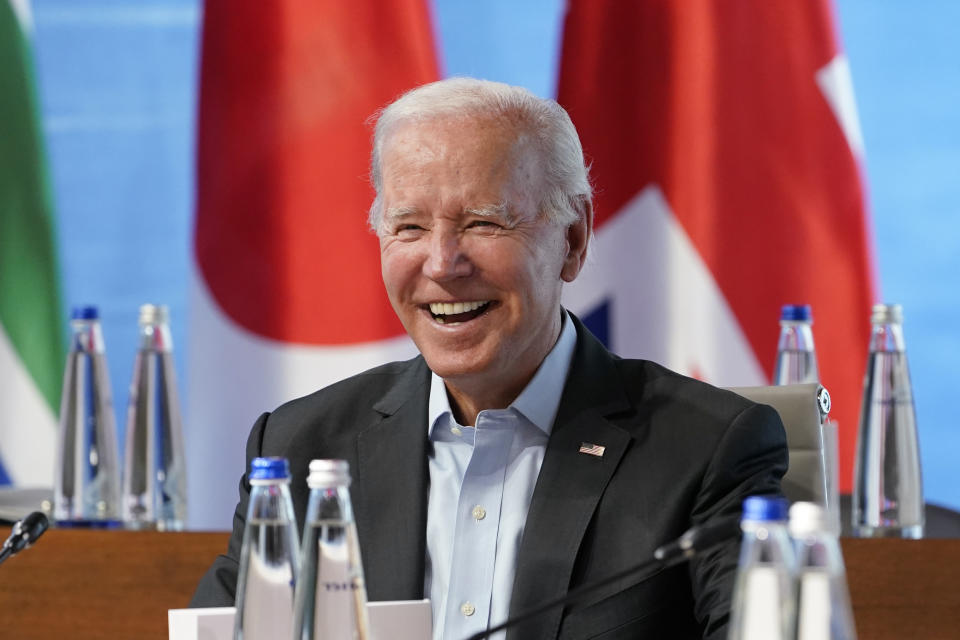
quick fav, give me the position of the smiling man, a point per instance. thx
(515, 458)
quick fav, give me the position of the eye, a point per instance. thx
(408, 230)
(483, 224)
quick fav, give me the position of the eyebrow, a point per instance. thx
(493, 211)
(398, 213)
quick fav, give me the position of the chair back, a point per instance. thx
(802, 408)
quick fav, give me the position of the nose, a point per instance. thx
(446, 259)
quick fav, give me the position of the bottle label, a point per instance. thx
(762, 618)
(268, 600)
(339, 594)
(813, 618)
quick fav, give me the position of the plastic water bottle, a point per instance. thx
(764, 602)
(268, 556)
(887, 488)
(823, 605)
(154, 473)
(331, 599)
(796, 357)
(87, 477)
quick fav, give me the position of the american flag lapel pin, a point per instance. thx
(592, 449)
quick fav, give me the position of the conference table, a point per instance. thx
(92, 584)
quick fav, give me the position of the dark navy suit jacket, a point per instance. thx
(678, 453)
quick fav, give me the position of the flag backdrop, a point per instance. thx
(31, 341)
(287, 293)
(726, 156)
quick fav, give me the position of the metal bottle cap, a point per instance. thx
(269, 469)
(328, 473)
(765, 508)
(154, 314)
(807, 518)
(796, 313)
(85, 312)
(887, 314)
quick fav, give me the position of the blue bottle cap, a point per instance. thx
(269, 469)
(796, 313)
(85, 312)
(765, 508)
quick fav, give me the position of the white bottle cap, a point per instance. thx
(807, 518)
(887, 314)
(154, 314)
(328, 473)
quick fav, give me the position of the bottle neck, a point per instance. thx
(756, 527)
(818, 550)
(270, 482)
(795, 336)
(156, 337)
(86, 336)
(270, 499)
(329, 503)
(887, 337)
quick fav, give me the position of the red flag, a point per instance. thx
(282, 193)
(287, 295)
(735, 122)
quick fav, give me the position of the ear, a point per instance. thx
(578, 237)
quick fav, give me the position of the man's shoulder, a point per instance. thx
(651, 384)
(650, 388)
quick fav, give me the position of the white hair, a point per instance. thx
(545, 123)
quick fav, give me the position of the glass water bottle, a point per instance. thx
(331, 599)
(87, 476)
(764, 602)
(154, 473)
(823, 604)
(888, 488)
(796, 356)
(268, 556)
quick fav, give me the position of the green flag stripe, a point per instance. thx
(29, 285)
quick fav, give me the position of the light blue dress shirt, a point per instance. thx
(481, 482)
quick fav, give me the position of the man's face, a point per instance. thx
(471, 267)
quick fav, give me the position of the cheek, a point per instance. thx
(398, 268)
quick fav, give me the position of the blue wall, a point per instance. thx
(117, 82)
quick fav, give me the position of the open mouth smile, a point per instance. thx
(457, 312)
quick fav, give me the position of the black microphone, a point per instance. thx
(695, 540)
(24, 534)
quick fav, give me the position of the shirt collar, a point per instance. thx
(539, 400)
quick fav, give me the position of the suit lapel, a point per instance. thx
(391, 495)
(570, 484)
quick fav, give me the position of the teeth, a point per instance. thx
(451, 308)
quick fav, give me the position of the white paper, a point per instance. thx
(395, 620)
(213, 623)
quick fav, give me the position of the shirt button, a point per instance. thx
(456, 431)
(479, 513)
(467, 609)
